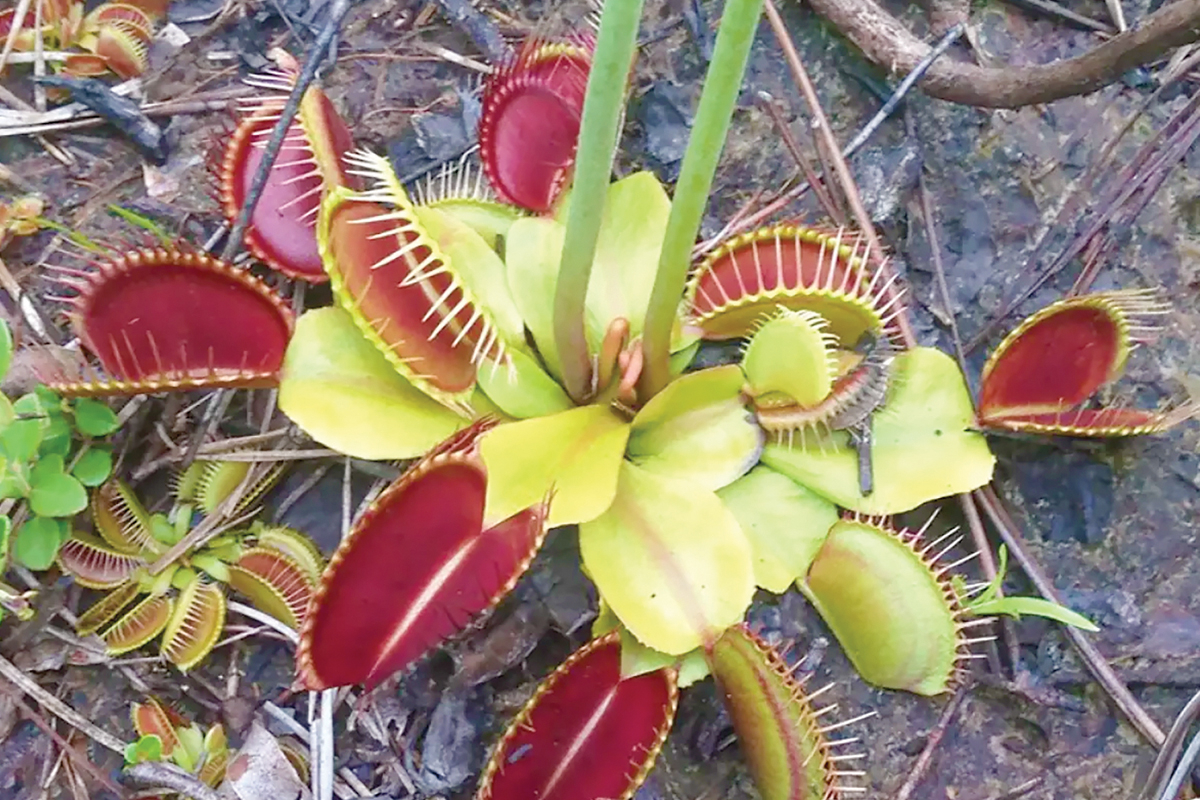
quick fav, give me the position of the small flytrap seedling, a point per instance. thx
(276, 567)
(540, 363)
(164, 734)
(50, 454)
(21, 216)
(114, 36)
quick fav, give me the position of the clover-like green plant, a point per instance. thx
(52, 449)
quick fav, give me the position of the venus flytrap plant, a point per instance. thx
(438, 332)
(1041, 375)
(114, 36)
(171, 319)
(282, 231)
(164, 734)
(275, 567)
(539, 365)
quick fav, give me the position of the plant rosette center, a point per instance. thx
(445, 316)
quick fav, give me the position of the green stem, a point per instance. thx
(717, 101)
(593, 166)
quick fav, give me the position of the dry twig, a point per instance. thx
(166, 775)
(60, 709)
(65, 746)
(931, 744)
(820, 123)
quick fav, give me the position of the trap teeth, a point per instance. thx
(529, 127)
(799, 268)
(1041, 375)
(888, 598)
(170, 318)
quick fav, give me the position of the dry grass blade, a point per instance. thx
(921, 767)
(793, 147)
(841, 168)
(1092, 658)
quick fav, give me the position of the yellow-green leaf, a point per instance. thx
(488, 218)
(343, 392)
(697, 429)
(791, 355)
(638, 659)
(785, 523)
(575, 455)
(670, 560)
(922, 447)
(626, 260)
(533, 250)
(523, 391)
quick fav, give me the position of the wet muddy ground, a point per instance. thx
(1114, 524)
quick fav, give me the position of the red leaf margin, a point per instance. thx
(376, 609)
(1037, 377)
(282, 231)
(191, 307)
(527, 153)
(615, 728)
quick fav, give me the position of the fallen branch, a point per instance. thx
(888, 43)
(169, 776)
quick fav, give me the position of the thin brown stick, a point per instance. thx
(793, 147)
(256, 456)
(57, 707)
(1022, 790)
(978, 534)
(1092, 658)
(840, 167)
(931, 744)
(888, 43)
(83, 121)
(1064, 14)
(988, 565)
(1161, 151)
(165, 775)
(71, 752)
(939, 273)
(18, 23)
